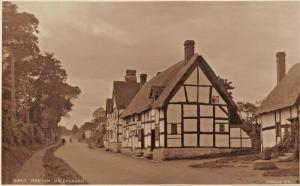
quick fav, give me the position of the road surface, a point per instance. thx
(101, 167)
(33, 172)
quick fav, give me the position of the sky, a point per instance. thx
(97, 41)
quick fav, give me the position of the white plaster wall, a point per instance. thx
(235, 132)
(285, 114)
(246, 142)
(190, 125)
(161, 126)
(269, 138)
(206, 110)
(235, 142)
(174, 142)
(206, 140)
(215, 93)
(179, 96)
(244, 134)
(190, 139)
(190, 110)
(203, 79)
(162, 140)
(268, 119)
(192, 93)
(220, 113)
(192, 79)
(222, 140)
(206, 125)
(294, 111)
(174, 113)
(204, 94)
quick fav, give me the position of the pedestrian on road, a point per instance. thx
(63, 141)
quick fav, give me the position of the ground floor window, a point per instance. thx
(174, 128)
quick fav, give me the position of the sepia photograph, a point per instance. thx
(150, 92)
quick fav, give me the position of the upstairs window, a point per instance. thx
(215, 99)
(139, 117)
(221, 128)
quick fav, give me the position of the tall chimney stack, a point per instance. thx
(143, 79)
(130, 75)
(280, 61)
(189, 47)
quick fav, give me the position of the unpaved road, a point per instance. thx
(101, 167)
(33, 172)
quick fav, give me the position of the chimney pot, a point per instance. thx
(143, 79)
(189, 48)
(280, 62)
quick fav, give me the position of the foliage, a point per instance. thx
(227, 84)
(40, 80)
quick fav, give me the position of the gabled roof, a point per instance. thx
(168, 79)
(285, 94)
(109, 105)
(124, 91)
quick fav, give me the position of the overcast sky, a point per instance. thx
(98, 41)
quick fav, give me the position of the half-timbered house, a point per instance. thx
(279, 112)
(123, 92)
(184, 106)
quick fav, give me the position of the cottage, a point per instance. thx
(184, 106)
(89, 129)
(279, 112)
(123, 92)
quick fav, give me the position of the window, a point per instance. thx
(278, 129)
(156, 133)
(174, 128)
(221, 128)
(140, 134)
(214, 99)
(139, 117)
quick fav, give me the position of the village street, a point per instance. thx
(102, 167)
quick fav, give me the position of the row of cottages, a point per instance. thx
(280, 111)
(185, 106)
(90, 129)
(123, 93)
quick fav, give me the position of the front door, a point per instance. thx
(152, 139)
(142, 139)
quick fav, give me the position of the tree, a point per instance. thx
(227, 84)
(20, 43)
(32, 80)
(75, 129)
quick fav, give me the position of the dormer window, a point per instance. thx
(156, 91)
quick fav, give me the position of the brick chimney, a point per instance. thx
(280, 61)
(189, 48)
(143, 79)
(131, 75)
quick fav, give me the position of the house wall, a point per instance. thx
(88, 133)
(269, 120)
(136, 125)
(200, 121)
